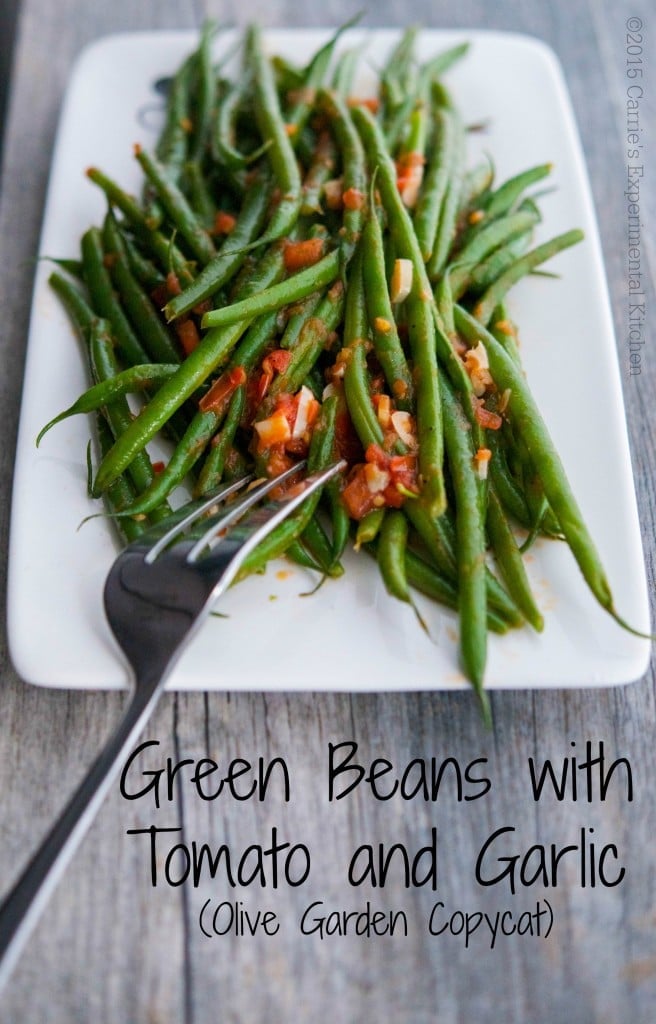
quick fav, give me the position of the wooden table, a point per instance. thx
(112, 949)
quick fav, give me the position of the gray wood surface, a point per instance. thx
(112, 949)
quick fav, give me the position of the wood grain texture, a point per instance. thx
(112, 949)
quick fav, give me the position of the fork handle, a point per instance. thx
(20, 909)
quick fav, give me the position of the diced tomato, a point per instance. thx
(488, 419)
(160, 295)
(381, 481)
(278, 460)
(298, 255)
(224, 222)
(356, 495)
(277, 361)
(287, 405)
(353, 199)
(187, 333)
(346, 439)
(409, 176)
(371, 103)
(375, 454)
(222, 389)
(173, 285)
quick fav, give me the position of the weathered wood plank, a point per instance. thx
(112, 948)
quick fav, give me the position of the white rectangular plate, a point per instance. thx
(350, 635)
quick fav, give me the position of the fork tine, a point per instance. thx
(175, 524)
(235, 547)
(238, 508)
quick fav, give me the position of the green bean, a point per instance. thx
(340, 519)
(505, 197)
(509, 493)
(428, 581)
(227, 261)
(117, 412)
(356, 379)
(200, 195)
(421, 327)
(369, 527)
(495, 293)
(387, 345)
(127, 382)
(484, 242)
(320, 547)
(223, 139)
(104, 300)
(472, 603)
(206, 94)
(177, 206)
(212, 352)
(397, 79)
(438, 65)
(345, 70)
(322, 168)
(121, 493)
(431, 200)
(213, 467)
(298, 553)
(299, 316)
(292, 289)
(439, 540)
(189, 449)
(164, 249)
(353, 167)
(528, 420)
(476, 186)
(390, 553)
(172, 145)
(143, 269)
(288, 76)
(509, 560)
(75, 304)
(487, 272)
(314, 77)
(280, 153)
(151, 331)
(446, 228)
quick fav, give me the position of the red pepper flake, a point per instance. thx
(222, 389)
(298, 255)
(158, 467)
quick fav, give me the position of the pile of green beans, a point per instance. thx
(299, 251)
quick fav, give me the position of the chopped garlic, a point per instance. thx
(403, 424)
(401, 284)
(383, 410)
(482, 460)
(305, 401)
(273, 430)
(377, 479)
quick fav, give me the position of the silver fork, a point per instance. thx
(157, 593)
